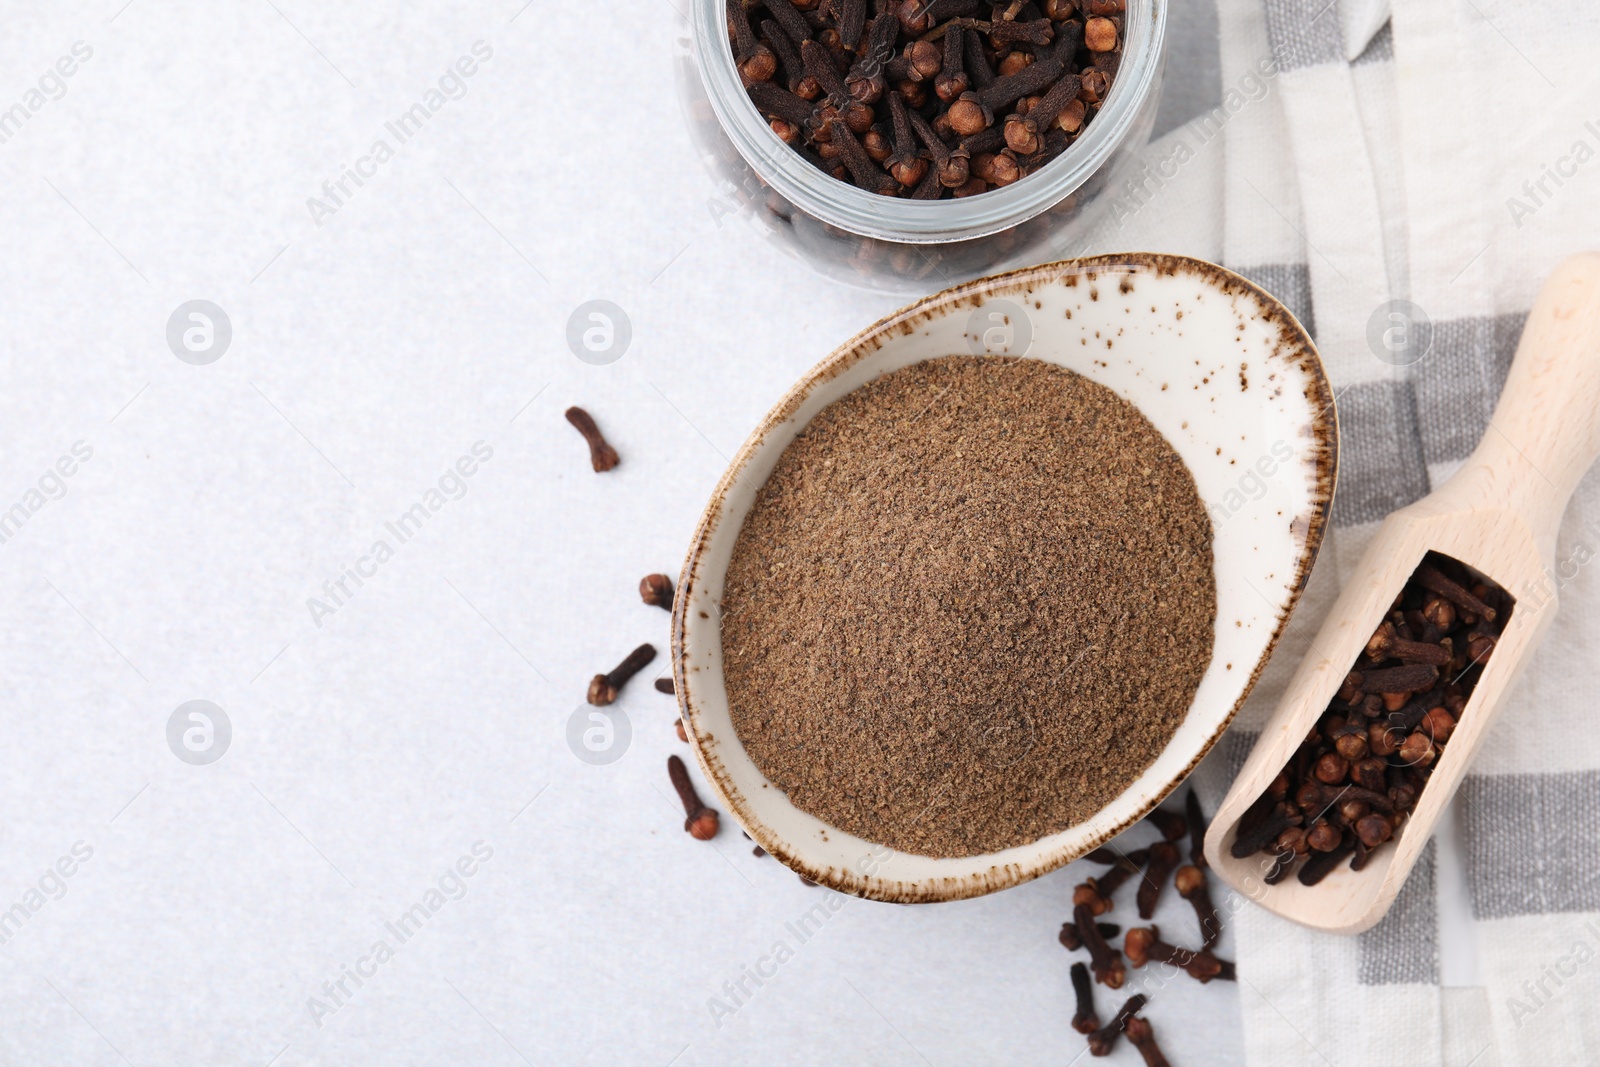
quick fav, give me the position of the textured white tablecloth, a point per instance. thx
(377, 744)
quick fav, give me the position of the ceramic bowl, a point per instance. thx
(1221, 368)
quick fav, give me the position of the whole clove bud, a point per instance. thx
(1104, 1039)
(700, 822)
(1374, 830)
(1416, 750)
(603, 688)
(1071, 940)
(656, 590)
(1143, 1037)
(602, 457)
(1084, 1019)
(1100, 35)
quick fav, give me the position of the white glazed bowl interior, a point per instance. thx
(1219, 367)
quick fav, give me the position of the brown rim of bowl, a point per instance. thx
(1325, 427)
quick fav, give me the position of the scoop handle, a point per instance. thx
(1545, 431)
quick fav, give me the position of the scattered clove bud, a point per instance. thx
(1143, 1037)
(1084, 1020)
(1087, 893)
(700, 822)
(656, 590)
(603, 688)
(1072, 941)
(665, 685)
(1104, 1039)
(601, 455)
(1143, 944)
(1173, 826)
(1197, 829)
(1191, 884)
(1163, 860)
(1111, 857)
(1104, 961)
(1096, 892)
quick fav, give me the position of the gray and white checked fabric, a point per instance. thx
(1439, 157)
(1534, 849)
(1531, 828)
(1404, 948)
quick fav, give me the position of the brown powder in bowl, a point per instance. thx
(971, 605)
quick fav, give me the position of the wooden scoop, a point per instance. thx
(1499, 515)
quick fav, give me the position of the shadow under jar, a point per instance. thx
(897, 242)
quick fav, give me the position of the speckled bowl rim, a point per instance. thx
(1325, 428)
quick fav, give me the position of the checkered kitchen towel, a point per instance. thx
(1447, 157)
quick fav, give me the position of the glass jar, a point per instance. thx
(893, 243)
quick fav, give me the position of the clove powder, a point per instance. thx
(969, 607)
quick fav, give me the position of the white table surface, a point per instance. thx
(429, 711)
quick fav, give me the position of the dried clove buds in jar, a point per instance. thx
(927, 99)
(1358, 774)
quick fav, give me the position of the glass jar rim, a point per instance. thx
(857, 211)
